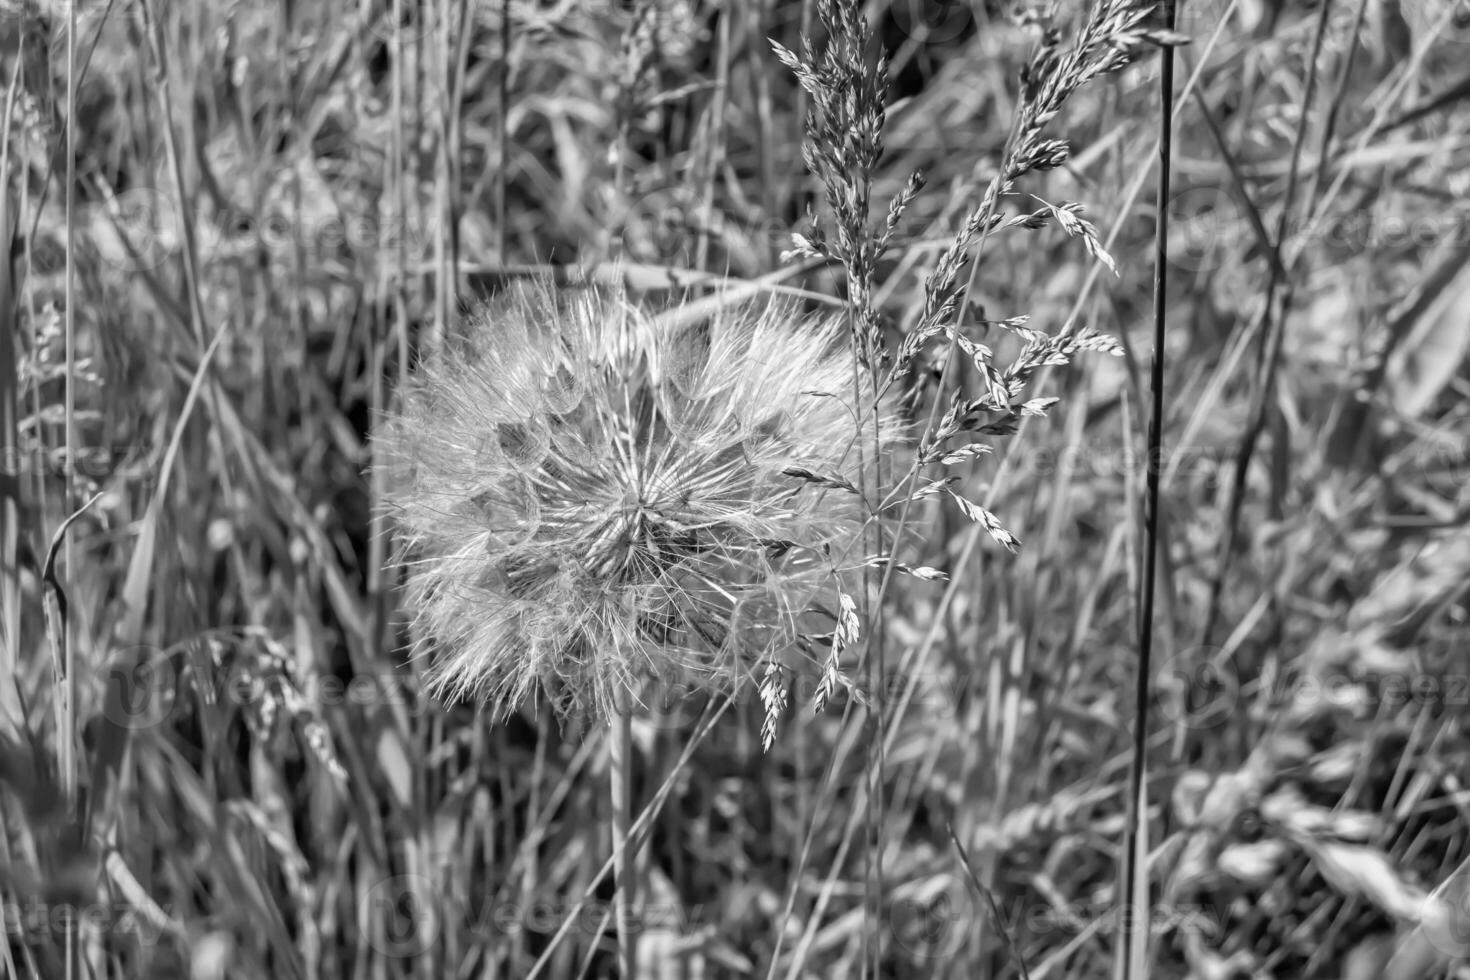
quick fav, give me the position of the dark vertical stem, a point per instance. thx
(1135, 897)
(443, 171)
(11, 466)
(66, 685)
(620, 766)
(502, 150)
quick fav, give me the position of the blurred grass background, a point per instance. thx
(231, 772)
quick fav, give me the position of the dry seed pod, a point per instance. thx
(587, 500)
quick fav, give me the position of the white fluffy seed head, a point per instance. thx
(589, 502)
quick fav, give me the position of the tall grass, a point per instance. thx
(277, 210)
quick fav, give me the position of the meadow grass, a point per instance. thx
(239, 229)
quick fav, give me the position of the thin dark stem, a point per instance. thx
(66, 674)
(620, 748)
(502, 121)
(1135, 882)
(979, 886)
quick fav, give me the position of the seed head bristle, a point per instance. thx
(587, 499)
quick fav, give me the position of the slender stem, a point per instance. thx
(65, 682)
(10, 469)
(1134, 895)
(620, 756)
(502, 120)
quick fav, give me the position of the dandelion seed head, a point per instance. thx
(587, 499)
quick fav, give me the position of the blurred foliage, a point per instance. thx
(268, 196)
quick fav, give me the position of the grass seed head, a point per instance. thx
(589, 501)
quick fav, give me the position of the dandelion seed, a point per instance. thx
(589, 502)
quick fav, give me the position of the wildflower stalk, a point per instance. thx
(594, 504)
(65, 665)
(1134, 960)
(636, 49)
(625, 867)
(842, 149)
(1112, 35)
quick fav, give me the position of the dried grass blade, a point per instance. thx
(113, 744)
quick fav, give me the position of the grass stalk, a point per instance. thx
(1134, 895)
(66, 666)
(1275, 308)
(11, 469)
(502, 123)
(625, 866)
(237, 367)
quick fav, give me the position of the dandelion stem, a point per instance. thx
(620, 746)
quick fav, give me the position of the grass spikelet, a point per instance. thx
(590, 502)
